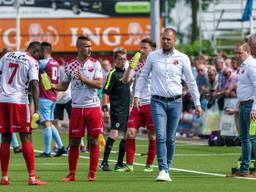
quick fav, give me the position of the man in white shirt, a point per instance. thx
(19, 69)
(246, 93)
(167, 67)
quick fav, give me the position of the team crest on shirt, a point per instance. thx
(175, 62)
(90, 69)
(117, 125)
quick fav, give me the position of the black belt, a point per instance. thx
(250, 101)
(166, 98)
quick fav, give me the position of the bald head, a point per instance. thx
(35, 49)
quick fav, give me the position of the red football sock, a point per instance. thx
(130, 151)
(151, 152)
(28, 154)
(5, 157)
(73, 159)
(94, 157)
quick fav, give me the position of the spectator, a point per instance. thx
(246, 91)
(230, 83)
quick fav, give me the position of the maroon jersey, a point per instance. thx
(51, 67)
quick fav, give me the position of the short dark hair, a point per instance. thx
(119, 50)
(82, 38)
(47, 46)
(33, 44)
(150, 41)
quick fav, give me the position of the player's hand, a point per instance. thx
(106, 117)
(136, 103)
(253, 114)
(198, 111)
(79, 75)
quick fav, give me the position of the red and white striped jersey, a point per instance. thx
(82, 95)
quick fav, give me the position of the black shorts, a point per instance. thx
(119, 123)
(59, 110)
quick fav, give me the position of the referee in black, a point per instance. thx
(119, 95)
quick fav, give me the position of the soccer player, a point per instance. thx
(19, 69)
(47, 101)
(119, 94)
(140, 117)
(85, 76)
(15, 144)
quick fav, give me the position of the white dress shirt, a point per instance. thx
(246, 85)
(166, 73)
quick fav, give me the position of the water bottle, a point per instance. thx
(35, 119)
(102, 142)
(252, 130)
(135, 60)
(46, 81)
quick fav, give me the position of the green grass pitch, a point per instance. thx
(197, 168)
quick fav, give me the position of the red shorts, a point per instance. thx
(15, 118)
(141, 118)
(82, 118)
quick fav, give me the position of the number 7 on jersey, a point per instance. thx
(15, 66)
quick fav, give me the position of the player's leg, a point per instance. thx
(134, 123)
(94, 157)
(130, 148)
(15, 144)
(109, 143)
(151, 139)
(28, 154)
(6, 130)
(5, 157)
(94, 128)
(120, 166)
(151, 151)
(58, 115)
(73, 156)
(76, 132)
(45, 113)
(22, 118)
(55, 134)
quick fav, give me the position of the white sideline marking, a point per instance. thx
(175, 169)
(191, 155)
(48, 164)
(206, 154)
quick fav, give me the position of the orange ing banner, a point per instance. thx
(105, 33)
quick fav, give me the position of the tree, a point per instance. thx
(194, 4)
(195, 30)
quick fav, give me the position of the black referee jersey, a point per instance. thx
(119, 93)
